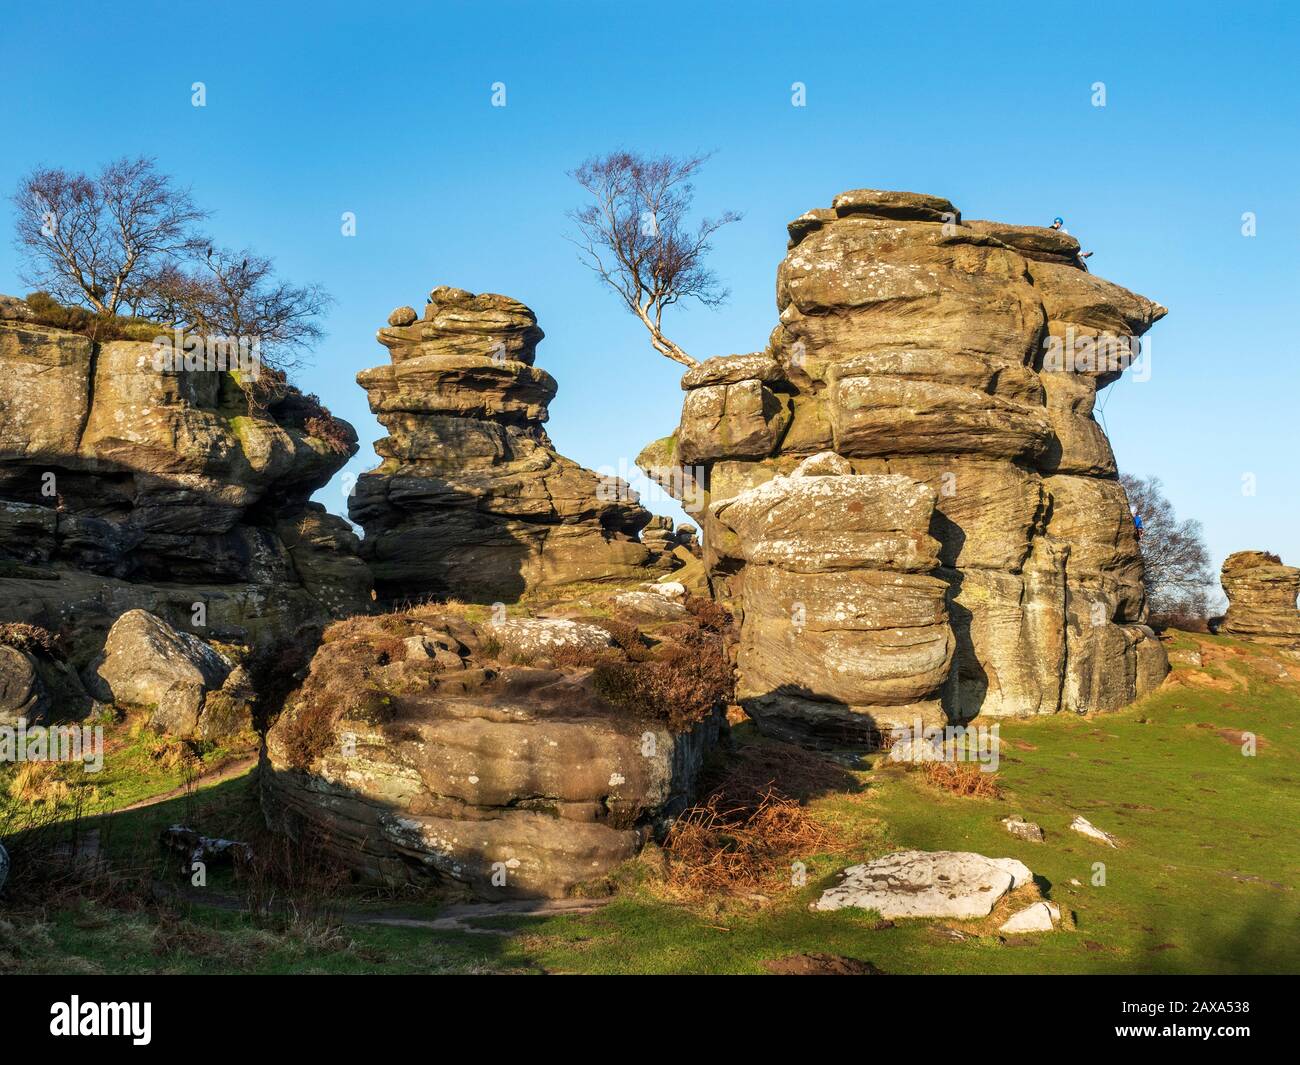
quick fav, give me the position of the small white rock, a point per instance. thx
(1085, 827)
(1040, 917)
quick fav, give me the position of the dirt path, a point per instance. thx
(452, 918)
(225, 771)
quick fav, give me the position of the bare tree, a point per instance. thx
(88, 239)
(636, 238)
(236, 294)
(1175, 559)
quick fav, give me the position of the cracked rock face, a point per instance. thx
(958, 884)
(1261, 595)
(493, 756)
(124, 486)
(965, 357)
(470, 499)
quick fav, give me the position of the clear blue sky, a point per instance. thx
(385, 110)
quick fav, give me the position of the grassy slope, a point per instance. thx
(1205, 880)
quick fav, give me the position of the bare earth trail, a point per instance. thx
(222, 773)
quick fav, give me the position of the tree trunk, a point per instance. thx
(662, 344)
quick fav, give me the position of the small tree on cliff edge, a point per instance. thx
(636, 239)
(1175, 560)
(89, 239)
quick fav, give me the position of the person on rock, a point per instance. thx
(1058, 224)
(1137, 520)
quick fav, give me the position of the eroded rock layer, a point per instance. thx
(1261, 595)
(124, 486)
(470, 498)
(965, 356)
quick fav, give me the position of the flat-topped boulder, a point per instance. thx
(955, 884)
(521, 757)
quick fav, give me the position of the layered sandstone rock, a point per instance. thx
(471, 499)
(966, 357)
(123, 485)
(1261, 599)
(516, 758)
(846, 630)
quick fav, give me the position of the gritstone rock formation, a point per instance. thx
(122, 485)
(520, 757)
(471, 499)
(965, 357)
(1261, 599)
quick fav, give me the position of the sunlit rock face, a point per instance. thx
(471, 499)
(965, 357)
(1261, 595)
(128, 482)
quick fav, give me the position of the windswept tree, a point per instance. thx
(1175, 559)
(237, 294)
(87, 240)
(635, 236)
(125, 239)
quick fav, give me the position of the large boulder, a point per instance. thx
(845, 626)
(22, 693)
(1261, 595)
(965, 357)
(146, 663)
(959, 884)
(419, 748)
(37, 683)
(470, 499)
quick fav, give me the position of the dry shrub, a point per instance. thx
(682, 686)
(710, 615)
(39, 782)
(962, 778)
(742, 837)
(292, 878)
(30, 638)
(628, 637)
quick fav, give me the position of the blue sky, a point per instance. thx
(385, 110)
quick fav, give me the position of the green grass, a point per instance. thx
(1204, 881)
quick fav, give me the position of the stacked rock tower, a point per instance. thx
(470, 498)
(965, 357)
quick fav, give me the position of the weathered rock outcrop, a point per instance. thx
(521, 757)
(1261, 599)
(471, 499)
(123, 486)
(965, 357)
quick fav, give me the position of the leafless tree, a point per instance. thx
(635, 236)
(1174, 556)
(236, 294)
(87, 240)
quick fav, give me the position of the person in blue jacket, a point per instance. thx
(1137, 520)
